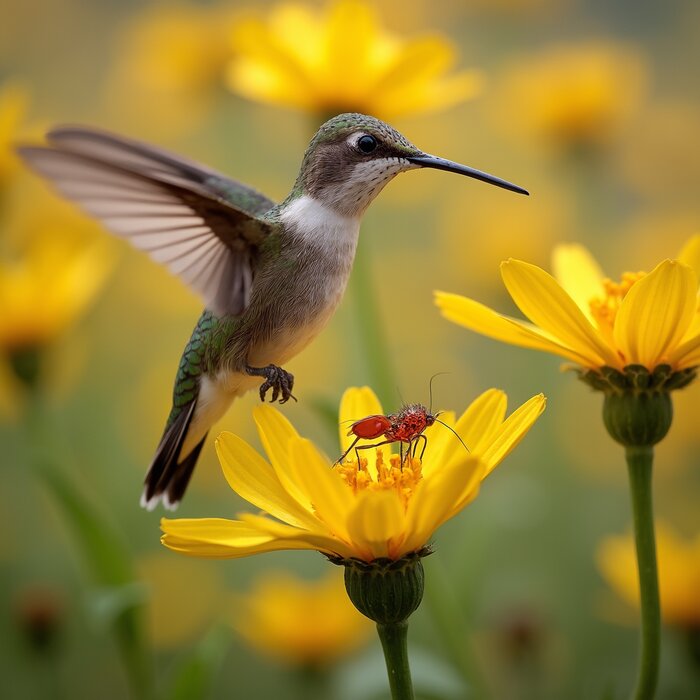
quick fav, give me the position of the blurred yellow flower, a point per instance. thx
(373, 511)
(659, 154)
(171, 59)
(645, 319)
(13, 105)
(304, 623)
(343, 61)
(177, 48)
(46, 288)
(574, 94)
(679, 573)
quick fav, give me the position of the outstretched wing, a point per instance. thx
(202, 225)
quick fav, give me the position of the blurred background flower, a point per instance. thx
(574, 96)
(303, 623)
(343, 61)
(679, 573)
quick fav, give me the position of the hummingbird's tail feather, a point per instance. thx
(177, 476)
(167, 479)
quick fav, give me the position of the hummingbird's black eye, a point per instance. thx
(366, 143)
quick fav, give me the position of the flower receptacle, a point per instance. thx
(637, 410)
(384, 590)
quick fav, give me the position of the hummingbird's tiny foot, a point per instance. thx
(277, 379)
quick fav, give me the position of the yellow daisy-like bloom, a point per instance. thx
(644, 319)
(343, 61)
(303, 623)
(679, 573)
(574, 94)
(378, 510)
(13, 105)
(45, 289)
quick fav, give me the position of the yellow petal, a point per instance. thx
(687, 354)
(275, 432)
(477, 317)
(439, 441)
(655, 314)
(356, 403)
(512, 431)
(436, 499)
(539, 296)
(317, 537)
(350, 34)
(481, 420)
(211, 537)
(376, 524)
(252, 478)
(222, 539)
(690, 254)
(579, 274)
(329, 496)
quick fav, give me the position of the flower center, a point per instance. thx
(604, 309)
(401, 478)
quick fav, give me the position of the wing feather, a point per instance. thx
(170, 208)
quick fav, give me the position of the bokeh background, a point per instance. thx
(593, 106)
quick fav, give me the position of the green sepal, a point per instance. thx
(638, 420)
(386, 591)
(637, 410)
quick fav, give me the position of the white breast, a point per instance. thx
(321, 226)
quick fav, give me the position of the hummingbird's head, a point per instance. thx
(352, 157)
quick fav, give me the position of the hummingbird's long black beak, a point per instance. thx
(428, 161)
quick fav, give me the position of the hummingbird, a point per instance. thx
(271, 275)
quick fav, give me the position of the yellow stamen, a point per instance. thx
(402, 478)
(604, 310)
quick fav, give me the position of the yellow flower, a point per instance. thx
(377, 511)
(679, 573)
(45, 288)
(305, 623)
(170, 66)
(645, 319)
(176, 48)
(343, 61)
(575, 94)
(13, 104)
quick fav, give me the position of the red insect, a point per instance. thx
(405, 427)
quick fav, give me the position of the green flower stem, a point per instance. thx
(370, 329)
(639, 464)
(394, 638)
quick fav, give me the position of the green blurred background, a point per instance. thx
(520, 561)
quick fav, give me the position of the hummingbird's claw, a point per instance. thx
(277, 379)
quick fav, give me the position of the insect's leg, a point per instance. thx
(425, 444)
(345, 454)
(366, 447)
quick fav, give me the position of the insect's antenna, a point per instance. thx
(430, 389)
(398, 391)
(453, 431)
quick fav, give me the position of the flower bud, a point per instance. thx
(384, 590)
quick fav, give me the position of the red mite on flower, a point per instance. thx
(404, 427)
